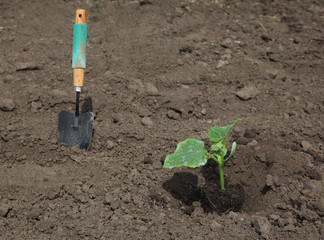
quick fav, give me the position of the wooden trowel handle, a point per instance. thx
(80, 16)
(80, 30)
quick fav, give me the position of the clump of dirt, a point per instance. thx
(222, 201)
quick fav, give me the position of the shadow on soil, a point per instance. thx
(184, 187)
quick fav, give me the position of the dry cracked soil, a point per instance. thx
(158, 72)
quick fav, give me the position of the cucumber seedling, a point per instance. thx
(192, 152)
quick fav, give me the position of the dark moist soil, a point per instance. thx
(159, 72)
(222, 201)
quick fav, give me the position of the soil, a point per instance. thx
(159, 72)
(214, 199)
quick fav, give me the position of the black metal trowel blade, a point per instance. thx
(80, 135)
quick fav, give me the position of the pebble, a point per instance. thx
(146, 121)
(289, 228)
(221, 63)
(272, 73)
(7, 105)
(306, 146)
(274, 217)
(127, 198)
(152, 89)
(35, 106)
(253, 143)
(202, 64)
(180, 62)
(108, 199)
(247, 93)
(4, 209)
(110, 145)
(261, 225)
(25, 66)
(269, 180)
(227, 43)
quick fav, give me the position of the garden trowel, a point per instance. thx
(76, 129)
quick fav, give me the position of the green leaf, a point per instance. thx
(217, 133)
(218, 148)
(232, 151)
(189, 153)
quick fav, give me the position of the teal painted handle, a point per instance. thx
(80, 32)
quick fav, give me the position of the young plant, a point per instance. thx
(192, 152)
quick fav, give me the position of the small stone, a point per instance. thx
(110, 144)
(127, 198)
(146, 121)
(221, 63)
(285, 115)
(142, 228)
(174, 115)
(35, 106)
(108, 199)
(306, 146)
(233, 215)
(261, 225)
(7, 105)
(269, 180)
(180, 62)
(253, 143)
(227, 43)
(261, 157)
(272, 73)
(274, 217)
(152, 89)
(4, 209)
(34, 213)
(297, 40)
(289, 228)
(25, 66)
(247, 93)
(202, 64)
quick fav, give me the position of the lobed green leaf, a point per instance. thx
(217, 133)
(189, 153)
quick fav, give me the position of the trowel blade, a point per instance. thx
(80, 135)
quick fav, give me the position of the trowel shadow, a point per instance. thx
(87, 105)
(183, 186)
